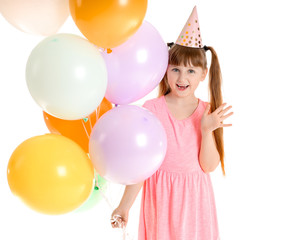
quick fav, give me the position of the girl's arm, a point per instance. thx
(209, 157)
(121, 212)
(129, 195)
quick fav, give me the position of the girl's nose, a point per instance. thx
(182, 77)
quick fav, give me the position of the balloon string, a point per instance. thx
(126, 236)
(97, 113)
(85, 129)
(90, 123)
(103, 195)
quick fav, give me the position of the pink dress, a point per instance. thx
(177, 200)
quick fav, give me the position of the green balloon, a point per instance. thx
(96, 196)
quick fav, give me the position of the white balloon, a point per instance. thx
(42, 17)
(66, 75)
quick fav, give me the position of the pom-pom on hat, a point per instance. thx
(190, 36)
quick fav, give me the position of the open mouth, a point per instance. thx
(182, 86)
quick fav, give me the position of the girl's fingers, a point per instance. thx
(115, 225)
(226, 116)
(225, 125)
(116, 221)
(207, 109)
(219, 109)
(222, 112)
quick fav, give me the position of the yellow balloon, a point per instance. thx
(51, 174)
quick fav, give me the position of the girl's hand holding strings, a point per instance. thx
(119, 218)
(211, 121)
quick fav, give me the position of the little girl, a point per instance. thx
(178, 201)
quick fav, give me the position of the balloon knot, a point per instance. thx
(109, 50)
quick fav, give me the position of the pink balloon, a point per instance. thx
(127, 144)
(137, 66)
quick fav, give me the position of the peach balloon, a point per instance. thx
(41, 17)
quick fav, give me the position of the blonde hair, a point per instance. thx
(180, 55)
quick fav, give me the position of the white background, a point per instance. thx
(256, 42)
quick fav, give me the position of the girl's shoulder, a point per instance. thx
(153, 104)
(204, 103)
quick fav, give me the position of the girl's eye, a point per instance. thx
(175, 69)
(191, 71)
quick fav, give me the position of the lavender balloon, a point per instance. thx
(137, 66)
(127, 144)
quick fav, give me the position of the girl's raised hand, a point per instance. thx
(212, 121)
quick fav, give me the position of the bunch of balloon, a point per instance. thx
(66, 75)
(75, 81)
(40, 17)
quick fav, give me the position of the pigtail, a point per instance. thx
(215, 95)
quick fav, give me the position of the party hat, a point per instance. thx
(190, 36)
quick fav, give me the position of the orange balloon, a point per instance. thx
(77, 130)
(51, 174)
(108, 23)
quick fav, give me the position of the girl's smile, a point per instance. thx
(182, 87)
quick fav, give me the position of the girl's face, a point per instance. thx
(183, 80)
